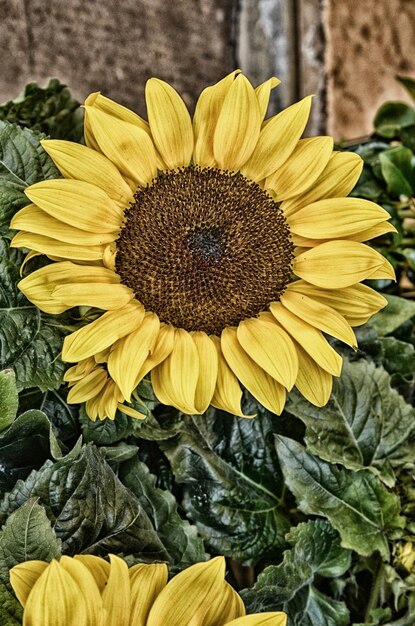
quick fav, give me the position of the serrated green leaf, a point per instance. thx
(105, 432)
(25, 446)
(357, 505)
(398, 356)
(23, 162)
(391, 117)
(11, 613)
(30, 341)
(315, 551)
(366, 423)
(27, 535)
(398, 311)
(231, 482)
(50, 110)
(397, 171)
(90, 509)
(9, 399)
(178, 536)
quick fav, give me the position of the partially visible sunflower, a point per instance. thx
(191, 238)
(89, 591)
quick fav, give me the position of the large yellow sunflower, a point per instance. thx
(89, 591)
(192, 237)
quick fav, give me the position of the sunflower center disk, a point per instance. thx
(204, 249)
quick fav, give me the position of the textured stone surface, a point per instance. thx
(114, 46)
(368, 43)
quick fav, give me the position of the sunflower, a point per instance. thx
(88, 591)
(219, 251)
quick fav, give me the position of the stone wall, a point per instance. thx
(346, 52)
(115, 45)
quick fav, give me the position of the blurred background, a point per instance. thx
(346, 52)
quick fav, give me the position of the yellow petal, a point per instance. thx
(311, 339)
(337, 180)
(128, 410)
(78, 371)
(229, 609)
(383, 271)
(319, 315)
(129, 147)
(147, 582)
(99, 568)
(68, 607)
(271, 348)
(337, 264)
(39, 287)
(77, 161)
(363, 235)
(277, 140)
(336, 218)
(23, 577)
(175, 379)
(261, 619)
(302, 168)
(190, 593)
(163, 347)
(32, 219)
(129, 354)
(170, 123)
(88, 588)
(313, 382)
(106, 297)
(353, 303)
(263, 92)
(238, 125)
(102, 333)
(116, 597)
(205, 118)
(49, 246)
(228, 394)
(261, 385)
(77, 203)
(208, 371)
(106, 105)
(88, 387)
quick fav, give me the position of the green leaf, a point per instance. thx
(27, 535)
(408, 83)
(407, 136)
(9, 399)
(391, 117)
(50, 110)
(355, 503)
(90, 509)
(366, 423)
(25, 446)
(397, 171)
(30, 340)
(315, 552)
(398, 311)
(23, 162)
(231, 481)
(11, 613)
(178, 536)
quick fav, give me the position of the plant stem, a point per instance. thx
(375, 590)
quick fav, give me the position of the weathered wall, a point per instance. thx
(115, 45)
(368, 43)
(346, 52)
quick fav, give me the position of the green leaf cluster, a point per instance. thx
(388, 178)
